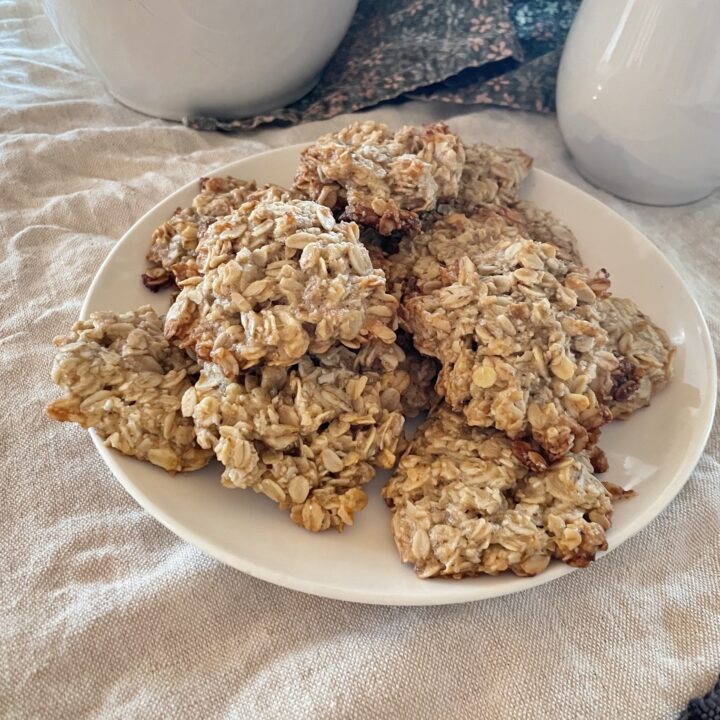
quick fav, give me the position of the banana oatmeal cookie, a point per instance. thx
(463, 504)
(491, 175)
(422, 263)
(281, 280)
(383, 179)
(520, 344)
(123, 378)
(645, 356)
(172, 254)
(307, 437)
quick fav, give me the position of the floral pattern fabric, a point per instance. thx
(500, 52)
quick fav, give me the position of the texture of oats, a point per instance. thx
(463, 504)
(122, 378)
(422, 262)
(307, 437)
(279, 281)
(383, 179)
(425, 261)
(417, 376)
(491, 176)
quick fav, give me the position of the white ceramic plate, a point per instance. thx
(654, 451)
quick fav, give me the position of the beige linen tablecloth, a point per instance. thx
(105, 613)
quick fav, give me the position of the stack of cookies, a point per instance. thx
(402, 274)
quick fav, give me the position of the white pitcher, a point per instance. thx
(638, 97)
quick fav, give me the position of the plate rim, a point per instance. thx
(316, 588)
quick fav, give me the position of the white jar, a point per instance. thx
(638, 97)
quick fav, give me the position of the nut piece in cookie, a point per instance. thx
(491, 176)
(281, 280)
(645, 356)
(123, 378)
(307, 437)
(172, 254)
(383, 179)
(463, 505)
(520, 345)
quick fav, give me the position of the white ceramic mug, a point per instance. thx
(219, 58)
(638, 97)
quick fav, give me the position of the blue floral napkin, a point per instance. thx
(704, 708)
(500, 52)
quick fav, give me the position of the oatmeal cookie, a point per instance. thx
(383, 179)
(172, 254)
(645, 356)
(306, 437)
(122, 377)
(281, 280)
(520, 344)
(463, 504)
(491, 176)
(422, 263)
(407, 377)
